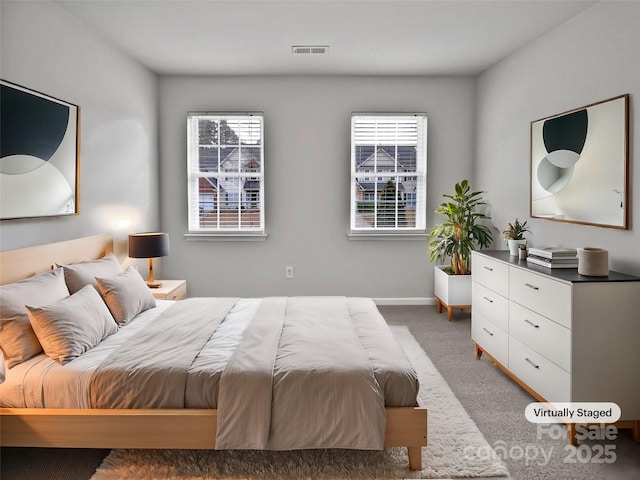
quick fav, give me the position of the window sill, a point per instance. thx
(225, 237)
(421, 236)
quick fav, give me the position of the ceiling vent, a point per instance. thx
(310, 49)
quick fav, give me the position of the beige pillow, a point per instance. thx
(70, 327)
(84, 273)
(17, 339)
(126, 295)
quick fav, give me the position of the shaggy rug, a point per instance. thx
(456, 448)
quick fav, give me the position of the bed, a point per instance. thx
(283, 410)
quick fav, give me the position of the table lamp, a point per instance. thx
(149, 245)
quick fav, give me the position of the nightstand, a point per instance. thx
(171, 290)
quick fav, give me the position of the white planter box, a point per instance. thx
(453, 290)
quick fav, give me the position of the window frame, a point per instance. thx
(420, 173)
(194, 174)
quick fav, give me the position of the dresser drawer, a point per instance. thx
(541, 294)
(491, 338)
(490, 273)
(490, 305)
(550, 339)
(546, 378)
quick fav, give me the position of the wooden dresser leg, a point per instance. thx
(449, 311)
(571, 434)
(415, 458)
(477, 350)
(439, 305)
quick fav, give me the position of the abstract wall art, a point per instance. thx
(39, 154)
(580, 165)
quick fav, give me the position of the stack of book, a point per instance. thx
(553, 257)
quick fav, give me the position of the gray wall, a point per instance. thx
(592, 57)
(46, 49)
(478, 129)
(307, 175)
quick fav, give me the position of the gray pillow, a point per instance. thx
(84, 273)
(70, 327)
(17, 339)
(126, 295)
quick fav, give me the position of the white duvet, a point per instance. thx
(41, 382)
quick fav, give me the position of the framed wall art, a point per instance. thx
(580, 165)
(39, 154)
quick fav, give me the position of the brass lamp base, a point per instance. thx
(151, 283)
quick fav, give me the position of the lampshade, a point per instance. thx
(148, 245)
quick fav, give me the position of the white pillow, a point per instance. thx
(126, 295)
(84, 273)
(70, 327)
(17, 339)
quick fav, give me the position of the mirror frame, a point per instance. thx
(565, 142)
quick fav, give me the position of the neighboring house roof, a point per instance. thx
(208, 183)
(209, 160)
(406, 156)
(242, 157)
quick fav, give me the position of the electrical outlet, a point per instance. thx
(288, 271)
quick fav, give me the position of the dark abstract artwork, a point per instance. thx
(579, 165)
(39, 154)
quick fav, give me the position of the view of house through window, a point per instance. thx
(388, 173)
(225, 172)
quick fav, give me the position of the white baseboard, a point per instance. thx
(406, 301)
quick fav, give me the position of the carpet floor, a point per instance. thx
(456, 448)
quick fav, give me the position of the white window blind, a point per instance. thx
(395, 147)
(225, 157)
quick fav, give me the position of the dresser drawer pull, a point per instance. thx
(488, 299)
(526, 320)
(532, 286)
(487, 331)
(529, 361)
(488, 268)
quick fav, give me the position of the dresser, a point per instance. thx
(562, 336)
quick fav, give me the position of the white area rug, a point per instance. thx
(456, 448)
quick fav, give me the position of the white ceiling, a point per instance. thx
(383, 37)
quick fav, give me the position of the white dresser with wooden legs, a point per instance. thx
(562, 336)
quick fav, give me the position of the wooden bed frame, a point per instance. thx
(144, 428)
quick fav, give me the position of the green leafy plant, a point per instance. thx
(461, 233)
(516, 230)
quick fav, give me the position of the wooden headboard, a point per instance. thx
(26, 262)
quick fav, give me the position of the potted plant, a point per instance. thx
(455, 239)
(514, 235)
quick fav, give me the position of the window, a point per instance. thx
(395, 145)
(225, 173)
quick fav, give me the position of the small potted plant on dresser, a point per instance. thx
(514, 235)
(455, 239)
